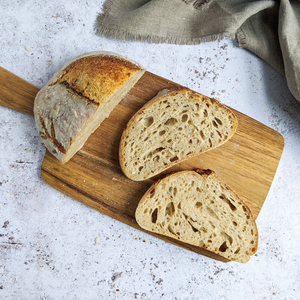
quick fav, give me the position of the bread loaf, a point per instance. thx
(79, 96)
(173, 126)
(199, 209)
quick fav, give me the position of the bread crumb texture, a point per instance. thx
(199, 209)
(171, 128)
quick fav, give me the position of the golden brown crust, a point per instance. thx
(97, 77)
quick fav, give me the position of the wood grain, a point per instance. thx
(16, 93)
(247, 162)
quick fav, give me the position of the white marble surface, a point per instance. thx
(53, 247)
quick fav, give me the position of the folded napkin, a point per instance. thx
(270, 29)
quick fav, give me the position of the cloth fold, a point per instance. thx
(269, 28)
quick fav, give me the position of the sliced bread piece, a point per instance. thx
(79, 96)
(198, 208)
(173, 126)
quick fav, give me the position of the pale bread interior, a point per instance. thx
(200, 210)
(100, 115)
(172, 128)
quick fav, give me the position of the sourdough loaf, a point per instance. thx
(173, 126)
(197, 208)
(79, 96)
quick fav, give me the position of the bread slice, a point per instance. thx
(173, 126)
(79, 96)
(197, 208)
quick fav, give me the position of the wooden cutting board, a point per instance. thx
(247, 162)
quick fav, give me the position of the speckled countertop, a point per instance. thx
(53, 247)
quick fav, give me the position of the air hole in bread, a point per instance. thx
(212, 213)
(170, 209)
(202, 135)
(219, 133)
(234, 223)
(237, 250)
(156, 158)
(146, 210)
(218, 121)
(198, 204)
(148, 121)
(215, 124)
(205, 114)
(162, 132)
(160, 149)
(227, 201)
(223, 247)
(212, 224)
(171, 122)
(141, 168)
(175, 191)
(194, 228)
(175, 158)
(210, 143)
(154, 216)
(180, 128)
(152, 193)
(227, 237)
(179, 205)
(203, 229)
(209, 241)
(184, 118)
(171, 230)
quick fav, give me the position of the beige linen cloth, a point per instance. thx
(270, 28)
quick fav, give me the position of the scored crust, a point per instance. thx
(174, 126)
(79, 96)
(198, 208)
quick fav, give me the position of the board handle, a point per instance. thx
(16, 93)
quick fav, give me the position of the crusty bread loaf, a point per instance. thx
(173, 126)
(79, 96)
(197, 208)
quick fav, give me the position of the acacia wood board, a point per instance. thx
(247, 162)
